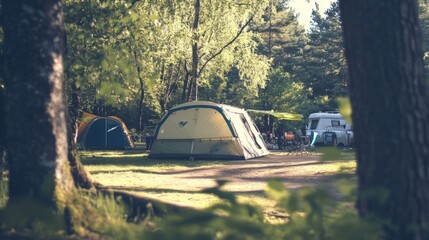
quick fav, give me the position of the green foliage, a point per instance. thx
(345, 108)
(274, 64)
(227, 220)
(91, 215)
(330, 153)
(324, 69)
(108, 216)
(316, 214)
(107, 46)
(313, 214)
(25, 214)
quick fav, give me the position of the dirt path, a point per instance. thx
(182, 185)
(249, 175)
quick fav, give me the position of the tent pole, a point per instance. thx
(192, 150)
(105, 132)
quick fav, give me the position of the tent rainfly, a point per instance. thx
(207, 130)
(103, 133)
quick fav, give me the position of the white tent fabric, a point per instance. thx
(206, 130)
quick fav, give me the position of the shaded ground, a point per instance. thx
(181, 182)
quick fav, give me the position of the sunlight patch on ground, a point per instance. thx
(180, 182)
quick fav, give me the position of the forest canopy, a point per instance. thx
(137, 59)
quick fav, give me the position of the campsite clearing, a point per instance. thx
(180, 181)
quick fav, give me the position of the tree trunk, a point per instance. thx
(389, 96)
(270, 29)
(2, 134)
(81, 177)
(74, 111)
(190, 90)
(36, 113)
(141, 99)
(141, 102)
(195, 59)
(185, 82)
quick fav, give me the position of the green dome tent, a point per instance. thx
(103, 133)
(207, 130)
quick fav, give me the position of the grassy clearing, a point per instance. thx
(132, 160)
(181, 181)
(256, 214)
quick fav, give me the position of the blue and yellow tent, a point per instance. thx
(103, 133)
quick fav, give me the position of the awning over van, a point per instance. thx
(279, 115)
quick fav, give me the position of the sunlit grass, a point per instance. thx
(181, 181)
(134, 160)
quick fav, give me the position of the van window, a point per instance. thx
(313, 124)
(335, 123)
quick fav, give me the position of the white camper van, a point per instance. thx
(329, 128)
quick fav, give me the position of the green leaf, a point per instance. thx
(347, 188)
(105, 64)
(276, 190)
(345, 108)
(330, 153)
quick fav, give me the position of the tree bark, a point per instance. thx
(185, 82)
(389, 96)
(141, 99)
(74, 111)
(36, 113)
(195, 59)
(2, 134)
(141, 102)
(81, 177)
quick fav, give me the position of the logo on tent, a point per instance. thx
(182, 124)
(113, 128)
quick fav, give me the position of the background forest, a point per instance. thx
(136, 59)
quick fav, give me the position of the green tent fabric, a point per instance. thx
(279, 115)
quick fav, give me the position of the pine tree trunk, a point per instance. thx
(36, 113)
(389, 96)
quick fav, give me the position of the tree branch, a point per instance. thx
(226, 45)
